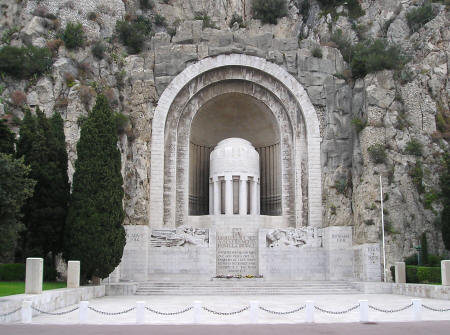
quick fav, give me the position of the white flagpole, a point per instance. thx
(382, 231)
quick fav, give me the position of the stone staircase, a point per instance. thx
(246, 287)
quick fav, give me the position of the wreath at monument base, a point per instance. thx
(238, 276)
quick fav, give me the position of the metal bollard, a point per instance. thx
(363, 311)
(309, 311)
(26, 311)
(254, 309)
(83, 316)
(417, 309)
(140, 312)
(197, 310)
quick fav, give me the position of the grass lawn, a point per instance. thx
(18, 287)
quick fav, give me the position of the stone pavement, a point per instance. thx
(234, 303)
(388, 328)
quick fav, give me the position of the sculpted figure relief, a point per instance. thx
(295, 238)
(181, 237)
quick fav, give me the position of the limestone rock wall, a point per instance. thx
(395, 112)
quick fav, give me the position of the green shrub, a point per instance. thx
(73, 35)
(343, 43)
(414, 147)
(341, 185)
(375, 55)
(98, 50)
(237, 19)
(423, 274)
(12, 272)
(133, 34)
(25, 62)
(203, 16)
(416, 174)
(354, 9)
(269, 11)
(359, 124)
(146, 4)
(411, 274)
(160, 20)
(411, 260)
(429, 198)
(434, 260)
(417, 17)
(317, 52)
(377, 153)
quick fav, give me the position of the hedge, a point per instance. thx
(423, 274)
(16, 272)
(12, 272)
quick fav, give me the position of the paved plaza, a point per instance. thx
(388, 328)
(226, 304)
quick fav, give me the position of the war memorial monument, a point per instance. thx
(235, 184)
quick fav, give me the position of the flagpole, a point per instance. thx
(382, 231)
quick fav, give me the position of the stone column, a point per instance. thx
(34, 273)
(254, 196)
(217, 197)
(400, 272)
(445, 272)
(228, 195)
(211, 197)
(73, 274)
(243, 189)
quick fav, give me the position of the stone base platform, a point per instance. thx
(246, 287)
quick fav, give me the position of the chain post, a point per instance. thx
(309, 311)
(197, 310)
(140, 309)
(27, 315)
(84, 310)
(417, 309)
(254, 307)
(363, 311)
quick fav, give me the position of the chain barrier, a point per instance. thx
(436, 309)
(111, 313)
(187, 309)
(282, 313)
(10, 313)
(226, 313)
(55, 313)
(337, 312)
(390, 310)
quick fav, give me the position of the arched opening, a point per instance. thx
(242, 116)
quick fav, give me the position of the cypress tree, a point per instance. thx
(7, 138)
(94, 233)
(60, 188)
(41, 144)
(445, 189)
(15, 188)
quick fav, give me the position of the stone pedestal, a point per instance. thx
(34, 275)
(73, 274)
(445, 271)
(400, 272)
(366, 262)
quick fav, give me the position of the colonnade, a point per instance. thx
(224, 198)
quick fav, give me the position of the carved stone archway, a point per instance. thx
(281, 92)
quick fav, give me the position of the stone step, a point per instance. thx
(244, 288)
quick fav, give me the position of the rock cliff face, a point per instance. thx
(395, 109)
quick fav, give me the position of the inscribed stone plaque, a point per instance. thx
(237, 253)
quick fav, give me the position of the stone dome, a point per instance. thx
(234, 157)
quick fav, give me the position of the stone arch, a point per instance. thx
(276, 81)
